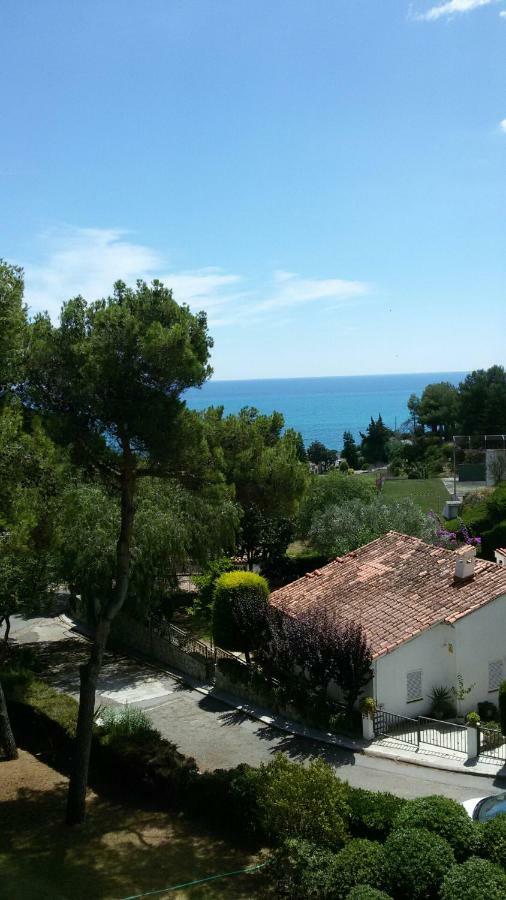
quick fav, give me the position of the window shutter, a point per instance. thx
(495, 674)
(414, 685)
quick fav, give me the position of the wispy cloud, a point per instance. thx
(502, 125)
(451, 8)
(87, 261)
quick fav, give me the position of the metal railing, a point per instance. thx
(401, 728)
(185, 641)
(492, 744)
(443, 734)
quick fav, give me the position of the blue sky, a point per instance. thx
(325, 177)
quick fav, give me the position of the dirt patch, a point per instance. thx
(120, 851)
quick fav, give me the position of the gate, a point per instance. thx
(401, 728)
(492, 744)
(443, 734)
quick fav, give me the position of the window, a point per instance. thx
(495, 674)
(414, 685)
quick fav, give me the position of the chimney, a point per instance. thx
(465, 559)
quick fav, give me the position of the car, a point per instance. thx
(482, 809)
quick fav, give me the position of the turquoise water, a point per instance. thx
(322, 408)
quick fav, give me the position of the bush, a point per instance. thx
(444, 817)
(502, 706)
(359, 862)
(303, 870)
(126, 721)
(488, 711)
(228, 798)
(493, 840)
(372, 813)
(303, 802)
(416, 861)
(240, 598)
(364, 892)
(475, 879)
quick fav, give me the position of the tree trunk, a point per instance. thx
(89, 672)
(7, 621)
(6, 736)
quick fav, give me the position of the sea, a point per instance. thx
(322, 408)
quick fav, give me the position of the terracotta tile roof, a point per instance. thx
(396, 587)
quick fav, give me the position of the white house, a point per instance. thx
(429, 614)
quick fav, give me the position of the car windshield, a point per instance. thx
(491, 807)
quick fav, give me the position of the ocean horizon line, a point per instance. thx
(326, 377)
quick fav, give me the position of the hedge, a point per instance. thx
(475, 879)
(302, 869)
(364, 892)
(233, 590)
(444, 817)
(306, 802)
(360, 862)
(493, 840)
(373, 812)
(416, 861)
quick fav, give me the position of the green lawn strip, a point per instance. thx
(429, 494)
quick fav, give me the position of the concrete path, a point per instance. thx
(219, 736)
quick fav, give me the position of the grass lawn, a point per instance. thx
(120, 851)
(428, 493)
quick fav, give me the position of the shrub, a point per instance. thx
(367, 706)
(364, 892)
(239, 613)
(359, 862)
(227, 798)
(303, 870)
(443, 706)
(487, 711)
(372, 812)
(473, 719)
(502, 706)
(475, 879)
(444, 817)
(416, 861)
(303, 802)
(493, 840)
(126, 721)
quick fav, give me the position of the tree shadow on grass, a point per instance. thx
(120, 851)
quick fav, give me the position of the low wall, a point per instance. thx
(244, 691)
(133, 635)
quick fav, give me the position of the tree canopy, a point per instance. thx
(375, 440)
(328, 491)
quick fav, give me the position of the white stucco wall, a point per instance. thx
(480, 638)
(433, 651)
(466, 647)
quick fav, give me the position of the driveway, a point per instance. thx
(217, 735)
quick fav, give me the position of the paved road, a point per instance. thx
(221, 737)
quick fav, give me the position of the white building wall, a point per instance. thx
(433, 652)
(480, 640)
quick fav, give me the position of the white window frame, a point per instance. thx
(496, 669)
(418, 673)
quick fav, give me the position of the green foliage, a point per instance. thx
(475, 879)
(21, 687)
(240, 606)
(444, 817)
(438, 407)
(502, 706)
(493, 840)
(442, 702)
(207, 581)
(126, 721)
(472, 719)
(416, 861)
(482, 402)
(331, 490)
(263, 538)
(364, 892)
(303, 802)
(12, 325)
(372, 813)
(350, 451)
(339, 529)
(321, 456)
(303, 869)
(375, 440)
(359, 862)
(487, 711)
